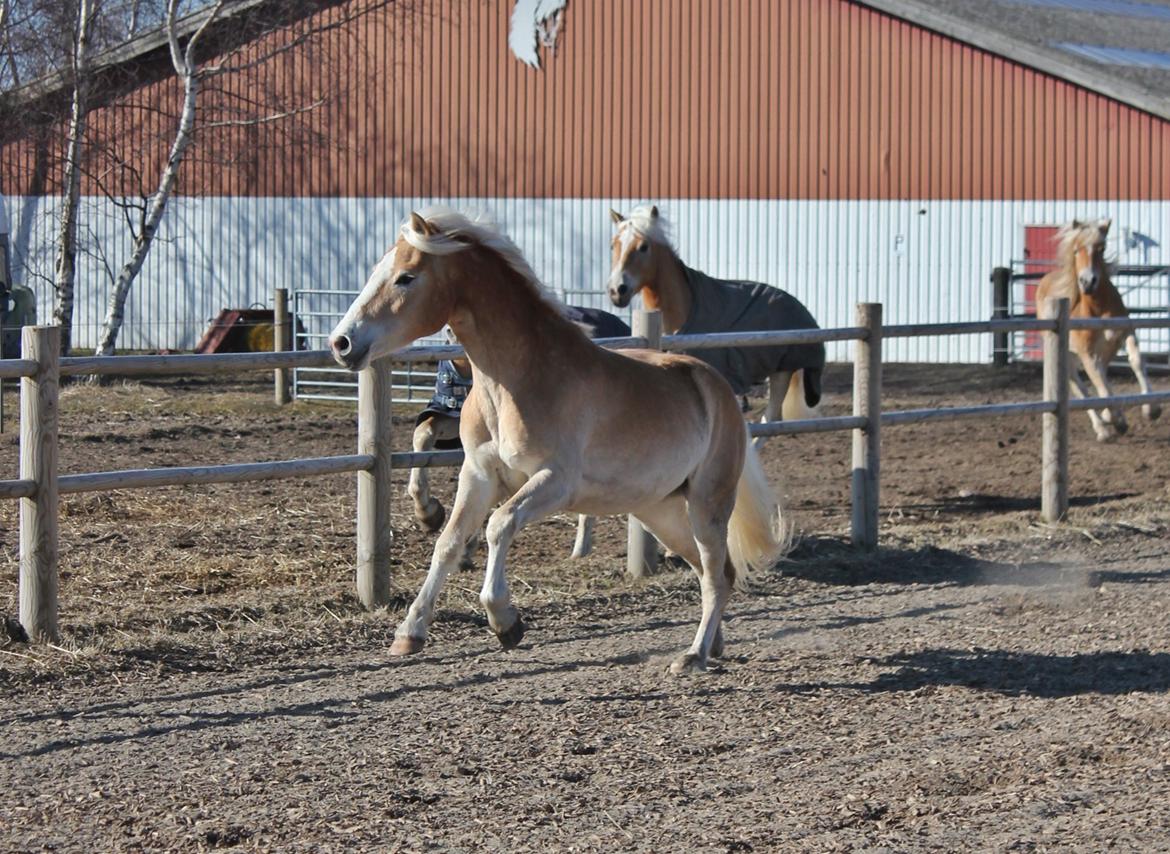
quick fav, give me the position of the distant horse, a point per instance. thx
(554, 423)
(1083, 277)
(644, 260)
(437, 425)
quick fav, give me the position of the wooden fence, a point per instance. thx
(39, 485)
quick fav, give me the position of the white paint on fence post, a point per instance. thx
(281, 333)
(38, 462)
(374, 486)
(1054, 435)
(641, 547)
(867, 403)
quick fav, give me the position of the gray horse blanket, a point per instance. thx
(723, 306)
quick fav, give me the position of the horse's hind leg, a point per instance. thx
(669, 523)
(709, 530)
(543, 493)
(1151, 411)
(476, 494)
(778, 384)
(584, 543)
(427, 509)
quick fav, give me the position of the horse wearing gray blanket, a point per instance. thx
(644, 261)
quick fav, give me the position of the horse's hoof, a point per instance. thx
(407, 645)
(581, 552)
(688, 663)
(1105, 432)
(1121, 426)
(432, 518)
(674, 561)
(1152, 411)
(510, 638)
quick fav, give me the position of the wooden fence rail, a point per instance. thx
(39, 486)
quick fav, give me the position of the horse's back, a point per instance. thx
(720, 305)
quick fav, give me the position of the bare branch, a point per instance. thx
(262, 120)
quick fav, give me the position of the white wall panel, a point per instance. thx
(927, 261)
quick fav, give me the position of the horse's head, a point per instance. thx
(1084, 243)
(405, 298)
(639, 239)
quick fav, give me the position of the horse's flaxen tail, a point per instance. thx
(758, 534)
(803, 396)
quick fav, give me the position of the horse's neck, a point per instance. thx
(509, 330)
(669, 293)
(1061, 283)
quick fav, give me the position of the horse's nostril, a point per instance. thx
(342, 345)
(623, 290)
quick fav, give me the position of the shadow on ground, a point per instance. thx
(1020, 673)
(828, 560)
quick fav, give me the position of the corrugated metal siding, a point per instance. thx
(804, 99)
(814, 144)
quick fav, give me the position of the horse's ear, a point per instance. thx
(654, 212)
(1103, 224)
(421, 225)
(617, 218)
(1076, 223)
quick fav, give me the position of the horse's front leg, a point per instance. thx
(1151, 411)
(1077, 386)
(1096, 368)
(427, 510)
(475, 496)
(544, 493)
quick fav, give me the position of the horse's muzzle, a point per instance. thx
(621, 295)
(345, 353)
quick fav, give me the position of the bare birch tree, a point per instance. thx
(183, 58)
(65, 274)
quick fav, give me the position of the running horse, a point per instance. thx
(1083, 277)
(644, 260)
(553, 423)
(437, 425)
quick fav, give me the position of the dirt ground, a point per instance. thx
(982, 682)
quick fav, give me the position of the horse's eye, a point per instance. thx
(645, 247)
(404, 279)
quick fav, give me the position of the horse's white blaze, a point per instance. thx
(625, 236)
(363, 331)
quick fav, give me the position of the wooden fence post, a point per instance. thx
(280, 342)
(641, 547)
(38, 462)
(1054, 436)
(373, 486)
(867, 402)
(1001, 309)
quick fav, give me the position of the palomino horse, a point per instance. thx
(1083, 277)
(555, 423)
(437, 425)
(645, 260)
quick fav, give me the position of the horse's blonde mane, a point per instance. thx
(654, 228)
(1070, 235)
(457, 231)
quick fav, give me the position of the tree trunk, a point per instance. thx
(66, 267)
